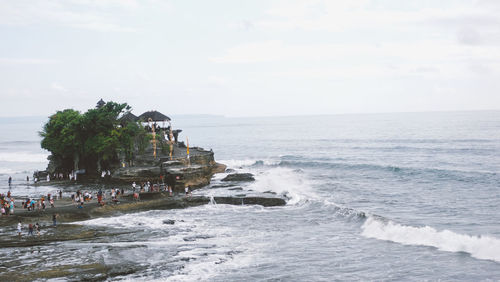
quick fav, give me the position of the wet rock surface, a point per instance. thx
(239, 177)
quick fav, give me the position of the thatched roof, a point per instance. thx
(154, 115)
(128, 116)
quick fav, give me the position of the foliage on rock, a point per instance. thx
(93, 140)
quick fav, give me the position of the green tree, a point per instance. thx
(101, 133)
(62, 137)
(92, 140)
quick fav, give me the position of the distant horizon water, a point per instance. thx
(195, 115)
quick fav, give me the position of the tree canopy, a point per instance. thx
(93, 140)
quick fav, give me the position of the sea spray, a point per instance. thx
(481, 247)
(286, 182)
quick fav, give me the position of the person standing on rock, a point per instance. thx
(99, 196)
(12, 206)
(188, 193)
(133, 186)
(19, 227)
(54, 219)
(37, 228)
(30, 229)
(10, 180)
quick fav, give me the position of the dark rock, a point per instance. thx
(221, 186)
(263, 201)
(241, 177)
(235, 189)
(230, 170)
(169, 221)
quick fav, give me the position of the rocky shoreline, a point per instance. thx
(68, 212)
(68, 228)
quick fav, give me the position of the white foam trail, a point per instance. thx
(23, 157)
(235, 164)
(219, 248)
(284, 181)
(142, 220)
(481, 247)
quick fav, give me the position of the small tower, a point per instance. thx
(100, 104)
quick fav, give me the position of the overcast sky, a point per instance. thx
(249, 58)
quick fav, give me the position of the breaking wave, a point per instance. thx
(481, 247)
(286, 182)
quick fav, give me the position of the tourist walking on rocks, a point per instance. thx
(99, 197)
(7, 208)
(188, 193)
(30, 229)
(37, 228)
(12, 206)
(19, 227)
(133, 186)
(60, 194)
(54, 219)
(10, 180)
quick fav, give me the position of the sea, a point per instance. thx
(399, 196)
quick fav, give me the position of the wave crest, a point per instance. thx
(481, 247)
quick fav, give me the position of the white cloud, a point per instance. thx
(58, 87)
(217, 80)
(84, 14)
(26, 61)
(420, 52)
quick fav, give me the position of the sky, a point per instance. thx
(249, 58)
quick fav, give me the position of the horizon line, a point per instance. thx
(292, 115)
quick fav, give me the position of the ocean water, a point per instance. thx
(409, 196)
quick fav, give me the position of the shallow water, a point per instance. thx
(371, 197)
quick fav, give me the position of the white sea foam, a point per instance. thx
(286, 182)
(23, 157)
(481, 247)
(236, 164)
(216, 248)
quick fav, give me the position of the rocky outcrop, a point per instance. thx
(178, 172)
(143, 173)
(239, 177)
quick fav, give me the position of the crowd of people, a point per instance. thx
(34, 227)
(7, 204)
(33, 204)
(79, 198)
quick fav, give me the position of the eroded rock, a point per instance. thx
(240, 177)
